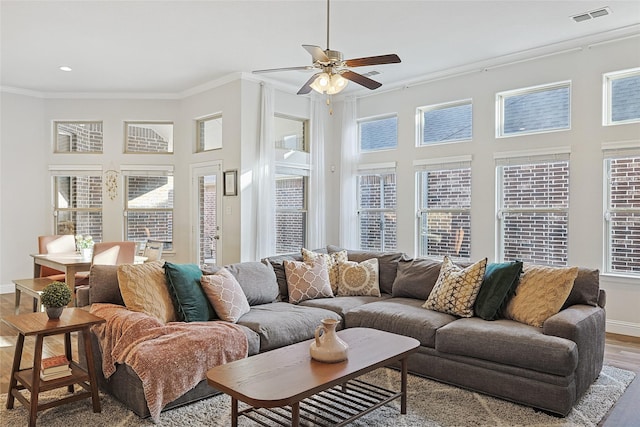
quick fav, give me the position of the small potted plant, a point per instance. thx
(55, 297)
(85, 245)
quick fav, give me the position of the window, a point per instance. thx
(444, 209)
(622, 97)
(378, 133)
(291, 211)
(78, 202)
(377, 209)
(78, 137)
(533, 209)
(448, 122)
(209, 133)
(534, 110)
(148, 137)
(149, 204)
(290, 133)
(622, 215)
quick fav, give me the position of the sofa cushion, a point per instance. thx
(189, 299)
(359, 278)
(499, 284)
(456, 290)
(307, 280)
(331, 261)
(280, 323)
(387, 264)
(103, 285)
(540, 294)
(144, 288)
(258, 281)
(586, 288)
(403, 316)
(510, 343)
(225, 295)
(416, 278)
(341, 305)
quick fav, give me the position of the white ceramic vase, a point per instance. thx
(86, 253)
(328, 347)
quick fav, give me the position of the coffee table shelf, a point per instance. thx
(337, 406)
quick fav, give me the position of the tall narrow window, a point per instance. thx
(534, 110)
(291, 210)
(622, 215)
(380, 133)
(533, 209)
(444, 208)
(77, 196)
(622, 97)
(377, 208)
(149, 205)
(450, 122)
(209, 133)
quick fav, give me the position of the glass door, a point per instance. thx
(207, 184)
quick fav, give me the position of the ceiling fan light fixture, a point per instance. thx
(329, 83)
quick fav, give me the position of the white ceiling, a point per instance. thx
(171, 47)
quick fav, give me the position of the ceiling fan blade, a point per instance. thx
(271, 70)
(361, 80)
(373, 60)
(317, 53)
(306, 88)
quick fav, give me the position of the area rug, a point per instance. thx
(430, 404)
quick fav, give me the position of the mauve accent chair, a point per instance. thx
(55, 244)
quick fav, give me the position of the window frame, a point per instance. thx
(146, 171)
(126, 125)
(614, 151)
(199, 140)
(500, 101)
(607, 101)
(420, 121)
(281, 173)
(75, 171)
(435, 165)
(529, 157)
(56, 132)
(306, 146)
(370, 119)
(376, 170)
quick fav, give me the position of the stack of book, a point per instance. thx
(54, 367)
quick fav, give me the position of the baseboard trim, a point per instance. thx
(623, 328)
(7, 289)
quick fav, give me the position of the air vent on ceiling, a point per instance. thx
(603, 11)
(371, 73)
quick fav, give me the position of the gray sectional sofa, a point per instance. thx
(547, 368)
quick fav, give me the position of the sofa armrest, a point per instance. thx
(584, 325)
(82, 296)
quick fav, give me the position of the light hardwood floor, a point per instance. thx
(620, 351)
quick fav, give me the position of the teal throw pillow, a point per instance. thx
(499, 284)
(191, 303)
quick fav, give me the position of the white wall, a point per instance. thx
(584, 68)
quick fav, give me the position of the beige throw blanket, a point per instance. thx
(170, 359)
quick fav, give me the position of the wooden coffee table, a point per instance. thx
(315, 392)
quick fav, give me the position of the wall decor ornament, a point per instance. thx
(111, 183)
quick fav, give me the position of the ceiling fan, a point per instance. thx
(334, 71)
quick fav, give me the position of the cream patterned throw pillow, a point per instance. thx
(225, 295)
(359, 279)
(541, 293)
(307, 280)
(331, 260)
(456, 289)
(144, 288)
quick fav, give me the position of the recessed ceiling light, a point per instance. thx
(65, 68)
